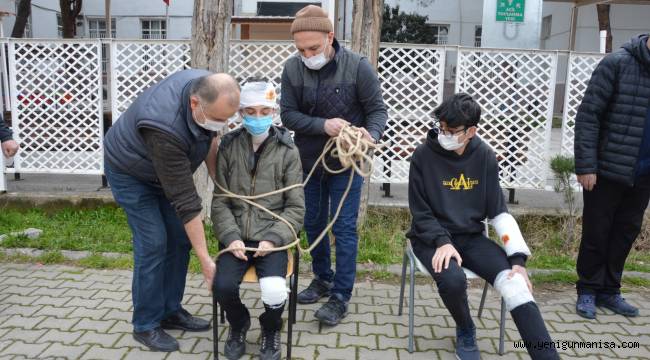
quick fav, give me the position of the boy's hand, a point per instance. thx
(442, 257)
(517, 269)
(240, 254)
(262, 247)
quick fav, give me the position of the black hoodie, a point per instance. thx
(451, 194)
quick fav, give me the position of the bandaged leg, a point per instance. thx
(506, 227)
(519, 301)
(274, 295)
(514, 291)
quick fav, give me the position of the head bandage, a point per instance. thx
(258, 94)
(514, 291)
(274, 290)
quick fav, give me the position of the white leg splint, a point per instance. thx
(506, 227)
(514, 291)
(274, 290)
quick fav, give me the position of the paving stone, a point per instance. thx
(368, 341)
(139, 354)
(317, 339)
(97, 325)
(386, 329)
(56, 311)
(52, 300)
(19, 299)
(121, 327)
(184, 356)
(103, 340)
(80, 293)
(58, 336)
(84, 302)
(328, 353)
(57, 323)
(29, 350)
(20, 321)
(98, 353)
(110, 294)
(95, 314)
(29, 336)
(24, 310)
(117, 315)
(377, 354)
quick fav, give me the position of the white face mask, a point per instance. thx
(208, 124)
(450, 142)
(316, 62)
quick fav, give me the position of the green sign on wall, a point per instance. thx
(510, 10)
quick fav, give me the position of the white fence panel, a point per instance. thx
(56, 96)
(515, 89)
(578, 74)
(136, 65)
(412, 81)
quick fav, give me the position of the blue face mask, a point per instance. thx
(257, 125)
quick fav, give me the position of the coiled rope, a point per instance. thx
(353, 152)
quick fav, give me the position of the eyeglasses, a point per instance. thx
(439, 130)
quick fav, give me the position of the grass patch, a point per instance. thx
(98, 261)
(563, 277)
(103, 228)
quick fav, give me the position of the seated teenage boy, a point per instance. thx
(453, 187)
(255, 159)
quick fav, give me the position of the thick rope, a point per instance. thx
(352, 150)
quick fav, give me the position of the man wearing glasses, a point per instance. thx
(453, 188)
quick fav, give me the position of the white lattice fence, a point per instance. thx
(412, 81)
(56, 95)
(136, 65)
(516, 91)
(578, 74)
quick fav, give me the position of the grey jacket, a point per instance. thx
(278, 166)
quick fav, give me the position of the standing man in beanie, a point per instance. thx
(150, 155)
(612, 158)
(324, 89)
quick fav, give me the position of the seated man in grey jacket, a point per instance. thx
(255, 159)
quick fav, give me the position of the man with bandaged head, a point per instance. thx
(453, 188)
(255, 159)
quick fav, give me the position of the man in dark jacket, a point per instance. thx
(9, 145)
(612, 158)
(324, 89)
(150, 155)
(453, 188)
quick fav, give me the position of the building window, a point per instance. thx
(273, 8)
(547, 22)
(154, 29)
(440, 34)
(59, 26)
(478, 31)
(97, 28)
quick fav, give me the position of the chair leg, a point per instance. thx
(223, 316)
(480, 307)
(215, 327)
(411, 346)
(294, 291)
(292, 314)
(502, 327)
(402, 285)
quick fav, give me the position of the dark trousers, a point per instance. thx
(161, 249)
(486, 259)
(323, 194)
(611, 221)
(230, 272)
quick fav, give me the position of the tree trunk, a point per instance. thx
(603, 24)
(24, 10)
(366, 33)
(70, 9)
(210, 49)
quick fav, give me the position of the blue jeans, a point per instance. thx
(161, 249)
(323, 194)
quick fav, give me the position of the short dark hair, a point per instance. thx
(458, 110)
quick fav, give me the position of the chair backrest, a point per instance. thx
(251, 276)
